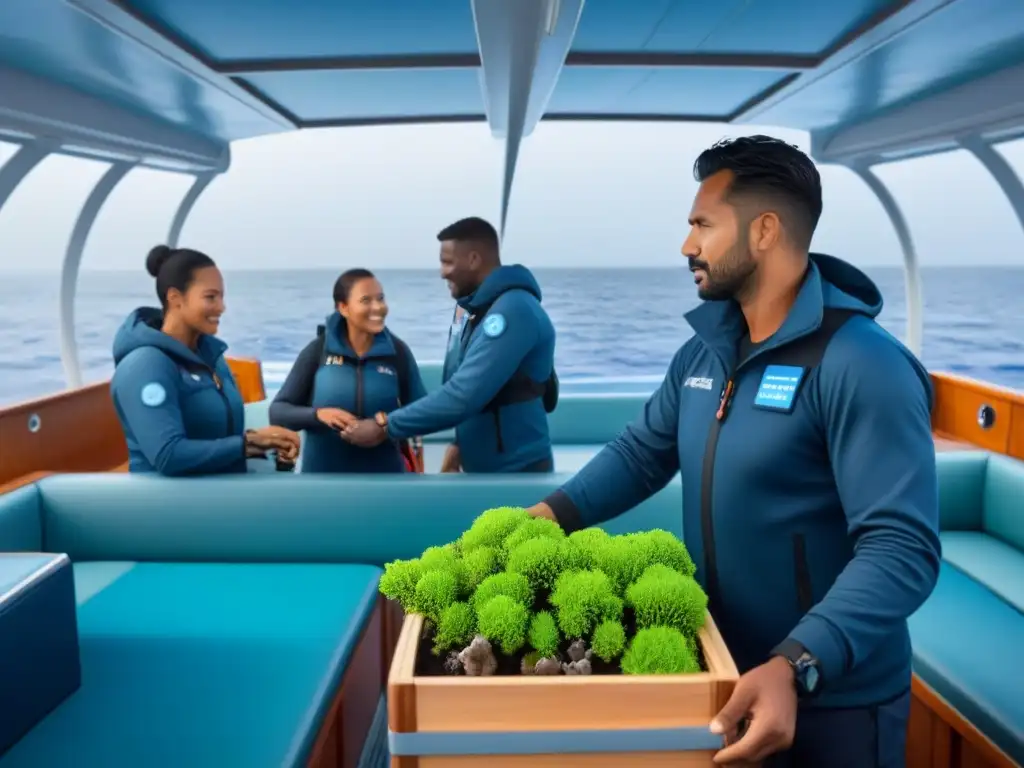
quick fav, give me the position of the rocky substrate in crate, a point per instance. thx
(481, 658)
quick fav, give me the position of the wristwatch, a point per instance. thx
(806, 671)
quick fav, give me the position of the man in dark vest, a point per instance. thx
(499, 380)
(802, 432)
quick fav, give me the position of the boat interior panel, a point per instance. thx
(665, 26)
(268, 582)
(155, 588)
(231, 69)
(324, 95)
(264, 30)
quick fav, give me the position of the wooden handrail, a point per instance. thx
(78, 430)
(985, 415)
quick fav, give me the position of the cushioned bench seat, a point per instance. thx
(568, 458)
(203, 664)
(989, 561)
(968, 644)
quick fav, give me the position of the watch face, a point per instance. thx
(811, 678)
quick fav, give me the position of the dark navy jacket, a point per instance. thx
(329, 374)
(819, 524)
(515, 336)
(180, 409)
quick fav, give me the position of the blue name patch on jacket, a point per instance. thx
(779, 386)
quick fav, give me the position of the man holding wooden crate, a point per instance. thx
(802, 432)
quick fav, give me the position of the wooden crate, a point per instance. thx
(638, 720)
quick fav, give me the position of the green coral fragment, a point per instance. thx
(533, 528)
(664, 548)
(435, 591)
(455, 628)
(477, 565)
(492, 527)
(538, 560)
(543, 634)
(511, 585)
(504, 621)
(665, 597)
(582, 599)
(609, 640)
(399, 581)
(660, 651)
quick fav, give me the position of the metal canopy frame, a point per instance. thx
(563, 14)
(522, 49)
(35, 109)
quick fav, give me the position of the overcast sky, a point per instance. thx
(586, 195)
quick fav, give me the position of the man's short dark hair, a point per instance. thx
(771, 171)
(473, 229)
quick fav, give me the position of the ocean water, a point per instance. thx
(611, 323)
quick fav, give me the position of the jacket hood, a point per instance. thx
(514, 276)
(142, 329)
(336, 341)
(830, 283)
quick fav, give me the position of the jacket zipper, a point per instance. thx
(802, 574)
(224, 399)
(707, 479)
(359, 388)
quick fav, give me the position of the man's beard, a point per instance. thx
(729, 277)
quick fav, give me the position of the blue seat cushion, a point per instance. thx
(203, 665)
(988, 560)
(967, 648)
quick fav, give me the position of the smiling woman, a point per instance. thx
(173, 391)
(353, 369)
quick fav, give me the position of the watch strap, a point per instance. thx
(806, 674)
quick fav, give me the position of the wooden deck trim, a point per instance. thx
(938, 736)
(342, 735)
(958, 403)
(78, 430)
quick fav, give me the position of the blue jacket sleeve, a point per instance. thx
(488, 365)
(157, 425)
(875, 402)
(634, 466)
(292, 406)
(416, 389)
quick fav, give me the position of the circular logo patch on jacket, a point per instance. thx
(154, 395)
(494, 326)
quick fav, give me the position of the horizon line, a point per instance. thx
(594, 268)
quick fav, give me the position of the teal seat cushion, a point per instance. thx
(93, 578)
(1004, 500)
(203, 665)
(990, 561)
(967, 647)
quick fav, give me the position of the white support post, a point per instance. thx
(20, 165)
(202, 181)
(1001, 171)
(523, 45)
(912, 272)
(72, 261)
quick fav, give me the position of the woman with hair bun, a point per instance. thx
(180, 409)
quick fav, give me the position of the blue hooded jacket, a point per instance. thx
(516, 336)
(816, 522)
(180, 409)
(363, 386)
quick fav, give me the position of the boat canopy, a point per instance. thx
(169, 84)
